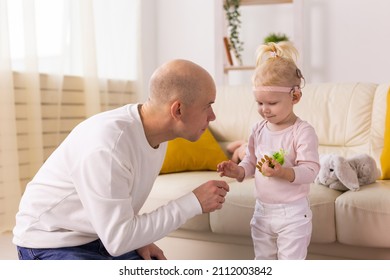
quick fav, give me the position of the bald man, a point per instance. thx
(84, 201)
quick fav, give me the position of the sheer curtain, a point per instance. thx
(9, 169)
(52, 40)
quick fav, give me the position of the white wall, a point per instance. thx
(186, 29)
(344, 40)
(257, 23)
(348, 40)
(148, 45)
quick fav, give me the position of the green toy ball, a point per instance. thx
(279, 156)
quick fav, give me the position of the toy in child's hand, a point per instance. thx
(278, 156)
(344, 174)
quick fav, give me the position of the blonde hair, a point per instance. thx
(276, 66)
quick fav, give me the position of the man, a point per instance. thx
(83, 203)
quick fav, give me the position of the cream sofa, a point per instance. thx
(349, 119)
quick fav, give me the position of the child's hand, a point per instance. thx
(228, 169)
(270, 168)
(276, 159)
(264, 160)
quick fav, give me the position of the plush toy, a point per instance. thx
(237, 149)
(344, 174)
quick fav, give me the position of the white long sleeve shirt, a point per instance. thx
(93, 186)
(301, 144)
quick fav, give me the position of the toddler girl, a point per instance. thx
(282, 155)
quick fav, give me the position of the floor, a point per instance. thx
(198, 251)
(7, 249)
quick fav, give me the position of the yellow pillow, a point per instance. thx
(385, 157)
(184, 155)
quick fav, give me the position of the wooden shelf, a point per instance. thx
(264, 2)
(298, 28)
(226, 69)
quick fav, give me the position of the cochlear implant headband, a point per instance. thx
(277, 89)
(283, 89)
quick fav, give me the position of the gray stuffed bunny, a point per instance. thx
(344, 174)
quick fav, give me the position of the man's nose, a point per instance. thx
(212, 116)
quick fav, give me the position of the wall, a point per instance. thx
(258, 21)
(147, 45)
(173, 29)
(344, 40)
(348, 40)
(186, 29)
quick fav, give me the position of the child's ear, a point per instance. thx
(296, 96)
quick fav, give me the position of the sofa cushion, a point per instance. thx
(322, 201)
(237, 211)
(352, 116)
(363, 217)
(345, 110)
(168, 187)
(183, 155)
(236, 112)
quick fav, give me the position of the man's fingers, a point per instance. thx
(222, 185)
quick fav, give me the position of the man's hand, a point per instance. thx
(211, 195)
(151, 251)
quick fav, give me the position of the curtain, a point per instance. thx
(83, 50)
(9, 167)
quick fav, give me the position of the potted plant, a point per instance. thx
(233, 16)
(275, 37)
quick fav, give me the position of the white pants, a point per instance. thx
(281, 231)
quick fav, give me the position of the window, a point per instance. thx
(57, 32)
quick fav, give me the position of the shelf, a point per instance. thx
(263, 2)
(226, 69)
(298, 31)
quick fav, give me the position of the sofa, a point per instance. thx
(350, 119)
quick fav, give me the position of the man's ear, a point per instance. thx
(176, 110)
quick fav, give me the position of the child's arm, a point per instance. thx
(231, 169)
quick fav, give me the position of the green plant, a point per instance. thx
(233, 15)
(275, 37)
